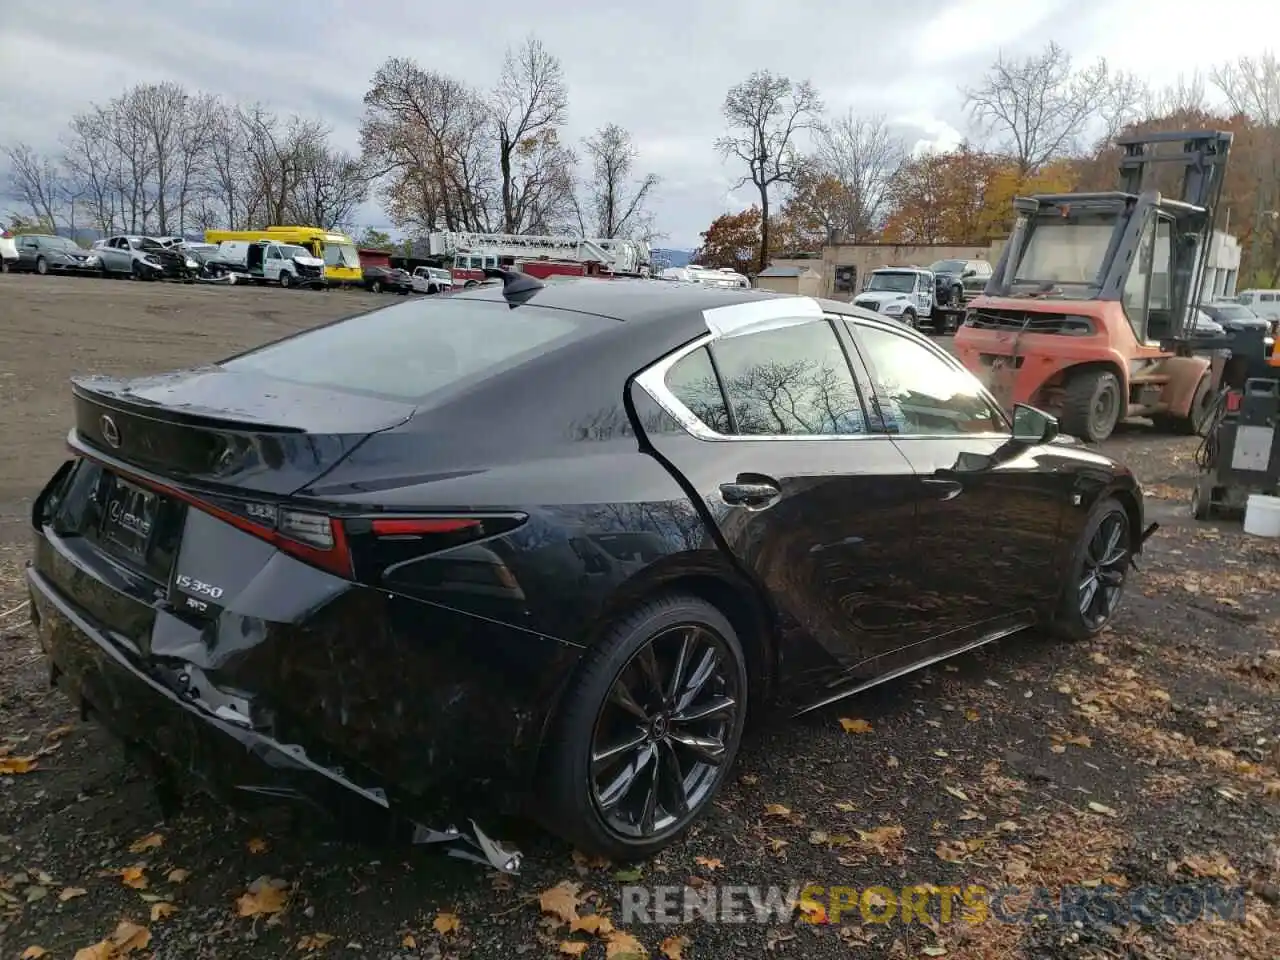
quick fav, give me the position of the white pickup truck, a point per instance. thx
(432, 280)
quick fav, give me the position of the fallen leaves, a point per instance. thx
(312, 942)
(561, 901)
(162, 910)
(127, 938)
(711, 863)
(150, 842)
(33, 953)
(446, 923)
(264, 897)
(1102, 808)
(855, 725)
(257, 845)
(177, 875)
(560, 905)
(135, 877)
(623, 946)
(673, 947)
(17, 765)
(70, 893)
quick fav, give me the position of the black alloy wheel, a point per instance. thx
(647, 731)
(1098, 574)
(662, 735)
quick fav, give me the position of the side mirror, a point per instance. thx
(1032, 426)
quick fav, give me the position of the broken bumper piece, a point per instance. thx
(210, 744)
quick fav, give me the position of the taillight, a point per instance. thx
(5, 235)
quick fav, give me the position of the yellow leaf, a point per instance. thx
(57, 733)
(673, 947)
(129, 937)
(1080, 740)
(70, 893)
(711, 863)
(149, 842)
(623, 946)
(776, 810)
(1101, 808)
(161, 910)
(264, 896)
(593, 923)
(409, 942)
(257, 845)
(855, 726)
(99, 951)
(313, 941)
(178, 875)
(446, 923)
(561, 901)
(971, 714)
(33, 953)
(11, 765)
(881, 837)
(958, 794)
(574, 948)
(134, 877)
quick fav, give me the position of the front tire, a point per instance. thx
(1091, 405)
(286, 279)
(1097, 573)
(909, 318)
(42, 266)
(647, 731)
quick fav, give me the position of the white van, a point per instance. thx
(1265, 303)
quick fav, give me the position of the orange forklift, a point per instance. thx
(1090, 313)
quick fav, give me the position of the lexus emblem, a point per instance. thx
(110, 432)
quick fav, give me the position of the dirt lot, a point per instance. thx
(1146, 760)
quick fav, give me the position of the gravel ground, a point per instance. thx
(1148, 759)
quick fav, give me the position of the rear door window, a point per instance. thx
(412, 350)
(790, 381)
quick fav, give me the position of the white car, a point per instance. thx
(8, 251)
(432, 280)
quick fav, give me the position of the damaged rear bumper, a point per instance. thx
(222, 755)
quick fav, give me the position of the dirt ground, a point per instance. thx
(1147, 761)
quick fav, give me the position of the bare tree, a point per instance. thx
(93, 166)
(530, 102)
(1186, 95)
(226, 191)
(278, 152)
(429, 137)
(764, 114)
(36, 180)
(333, 184)
(862, 153)
(616, 203)
(1040, 107)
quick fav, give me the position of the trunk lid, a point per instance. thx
(237, 429)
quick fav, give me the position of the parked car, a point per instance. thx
(1264, 303)
(358, 565)
(40, 253)
(1236, 316)
(144, 258)
(956, 281)
(8, 251)
(390, 279)
(264, 261)
(432, 280)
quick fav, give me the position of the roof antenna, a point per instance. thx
(516, 286)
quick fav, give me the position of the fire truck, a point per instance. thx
(469, 254)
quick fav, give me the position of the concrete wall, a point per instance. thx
(809, 283)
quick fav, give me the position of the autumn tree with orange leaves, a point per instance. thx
(733, 240)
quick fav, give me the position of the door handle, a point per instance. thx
(754, 494)
(943, 489)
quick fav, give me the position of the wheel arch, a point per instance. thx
(1069, 372)
(707, 576)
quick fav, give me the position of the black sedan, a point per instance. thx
(389, 279)
(42, 254)
(549, 545)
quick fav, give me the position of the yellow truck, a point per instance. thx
(338, 251)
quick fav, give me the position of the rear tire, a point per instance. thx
(1091, 405)
(1102, 558)
(375, 287)
(1193, 424)
(42, 266)
(663, 695)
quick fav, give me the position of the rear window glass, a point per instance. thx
(415, 349)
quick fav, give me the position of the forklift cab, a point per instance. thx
(1135, 245)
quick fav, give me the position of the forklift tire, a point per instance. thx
(1091, 405)
(1197, 417)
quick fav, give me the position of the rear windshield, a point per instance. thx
(415, 349)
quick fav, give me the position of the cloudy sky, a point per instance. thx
(661, 68)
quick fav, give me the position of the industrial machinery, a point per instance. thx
(1090, 310)
(1240, 453)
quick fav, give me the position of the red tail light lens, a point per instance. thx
(5, 235)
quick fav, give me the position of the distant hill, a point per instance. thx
(663, 257)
